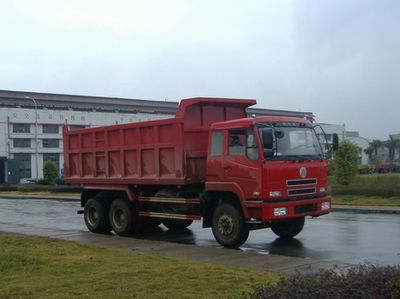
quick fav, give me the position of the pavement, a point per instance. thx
(216, 255)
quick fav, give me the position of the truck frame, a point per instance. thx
(210, 162)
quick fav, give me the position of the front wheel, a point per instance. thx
(288, 228)
(228, 226)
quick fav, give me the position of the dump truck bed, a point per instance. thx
(169, 151)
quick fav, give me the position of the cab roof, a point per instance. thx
(251, 121)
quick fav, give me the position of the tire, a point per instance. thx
(228, 226)
(96, 216)
(176, 224)
(124, 217)
(288, 228)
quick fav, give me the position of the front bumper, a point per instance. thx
(264, 210)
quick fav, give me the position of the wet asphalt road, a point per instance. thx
(337, 237)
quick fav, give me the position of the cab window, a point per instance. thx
(216, 143)
(243, 143)
(237, 141)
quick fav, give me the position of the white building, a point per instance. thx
(31, 125)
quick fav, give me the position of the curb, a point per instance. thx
(366, 209)
(50, 197)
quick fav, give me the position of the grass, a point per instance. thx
(359, 200)
(36, 267)
(373, 189)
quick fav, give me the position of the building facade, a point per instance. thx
(31, 125)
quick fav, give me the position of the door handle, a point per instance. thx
(227, 167)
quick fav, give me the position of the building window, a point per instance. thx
(50, 129)
(76, 127)
(55, 157)
(24, 165)
(51, 143)
(21, 128)
(22, 142)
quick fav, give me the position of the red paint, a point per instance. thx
(176, 152)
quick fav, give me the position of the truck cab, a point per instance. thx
(274, 166)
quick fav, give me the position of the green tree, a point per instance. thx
(370, 152)
(391, 145)
(50, 172)
(345, 159)
(397, 144)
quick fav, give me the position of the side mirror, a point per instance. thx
(268, 142)
(268, 153)
(335, 141)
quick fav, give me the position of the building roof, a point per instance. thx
(395, 136)
(12, 98)
(79, 102)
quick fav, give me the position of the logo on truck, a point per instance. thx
(303, 172)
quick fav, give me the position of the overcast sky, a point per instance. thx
(336, 58)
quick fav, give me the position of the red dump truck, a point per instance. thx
(211, 163)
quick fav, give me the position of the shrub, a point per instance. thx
(41, 182)
(363, 281)
(50, 172)
(330, 167)
(67, 189)
(345, 159)
(59, 181)
(8, 187)
(365, 169)
(33, 188)
(382, 185)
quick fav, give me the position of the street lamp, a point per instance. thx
(36, 137)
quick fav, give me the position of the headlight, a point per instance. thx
(280, 211)
(275, 194)
(325, 205)
(322, 190)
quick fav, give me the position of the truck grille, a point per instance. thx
(297, 192)
(302, 182)
(305, 208)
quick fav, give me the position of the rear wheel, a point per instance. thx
(124, 217)
(228, 226)
(288, 228)
(96, 216)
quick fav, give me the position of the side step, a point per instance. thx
(168, 215)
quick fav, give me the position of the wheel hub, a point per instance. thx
(92, 216)
(119, 218)
(225, 225)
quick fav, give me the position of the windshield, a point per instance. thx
(298, 141)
